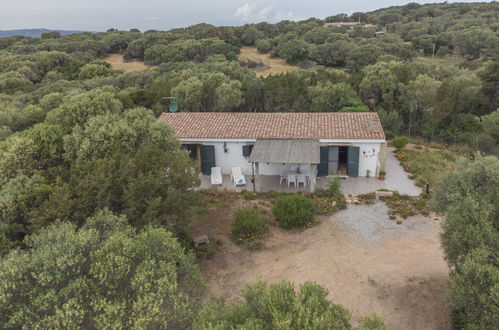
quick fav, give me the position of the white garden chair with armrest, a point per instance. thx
(291, 179)
(301, 179)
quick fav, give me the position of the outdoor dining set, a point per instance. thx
(294, 178)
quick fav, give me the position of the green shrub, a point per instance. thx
(293, 211)
(400, 141)
(280, 306)
(372, 322)
(264, 45)
(248, 225)
(333, 189)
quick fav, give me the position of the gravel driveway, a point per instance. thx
(371, 224)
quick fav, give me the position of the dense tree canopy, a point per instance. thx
(468, 198)
(103, 275)
(197, 65)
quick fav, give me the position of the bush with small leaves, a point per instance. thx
(400, 141)
(332, 190)
(293, 211)
(249, 224)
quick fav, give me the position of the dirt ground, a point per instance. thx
(118, 63)
(402, 277)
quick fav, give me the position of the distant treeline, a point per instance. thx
(34, 33)
(77, 136)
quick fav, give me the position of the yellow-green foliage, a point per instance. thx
(279, 306)
(425, 166)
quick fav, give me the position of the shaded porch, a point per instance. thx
(296, 161)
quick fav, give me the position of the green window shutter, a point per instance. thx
(322, 169)
(247, 150)
(353, 161)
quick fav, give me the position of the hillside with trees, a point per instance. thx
(81, 152)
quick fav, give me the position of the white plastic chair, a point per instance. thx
(292, 179)
(301, 179)
(283, 177)
(216, 176)
(237, 177)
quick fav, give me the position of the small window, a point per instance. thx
(247, 150)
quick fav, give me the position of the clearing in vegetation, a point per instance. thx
(263, 64)
(449, 60)
(118, 63)
(369, 263)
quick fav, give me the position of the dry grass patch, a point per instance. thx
(118, 63)
(267, 65)
(446, 60)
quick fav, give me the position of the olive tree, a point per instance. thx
(104, 275)
(279, 306)
(468, 198)
(470, 239)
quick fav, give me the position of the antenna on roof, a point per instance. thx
(173, 106)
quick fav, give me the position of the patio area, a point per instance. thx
(267, 183)
(396, 180)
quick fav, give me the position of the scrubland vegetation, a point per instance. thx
(96, 197)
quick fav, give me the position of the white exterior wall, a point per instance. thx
(232, 158)
(368, 156)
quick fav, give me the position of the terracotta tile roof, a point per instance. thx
(258, 125)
